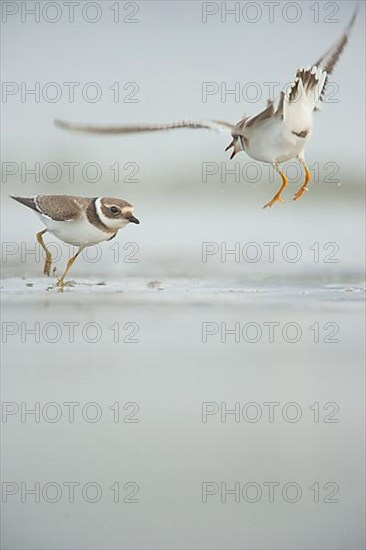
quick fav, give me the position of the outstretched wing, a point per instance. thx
(133, 128)
(308, 90)
(328, 61)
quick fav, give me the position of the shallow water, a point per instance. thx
(178, 355)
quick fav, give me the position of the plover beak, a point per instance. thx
(132, 219)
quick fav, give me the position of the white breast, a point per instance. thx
(271, 141)
(76, 232)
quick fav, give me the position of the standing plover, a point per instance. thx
(277, 134)
(79, 221)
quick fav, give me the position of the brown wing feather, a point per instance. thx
(328, 61)
(315, 78)
(62, 207)
(267, 113)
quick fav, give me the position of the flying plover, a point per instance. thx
(277, 134)
(79, 221)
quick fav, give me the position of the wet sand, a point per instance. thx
(151, 352)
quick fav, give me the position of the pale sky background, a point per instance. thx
(169, 53)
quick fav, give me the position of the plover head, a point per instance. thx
(115, 213)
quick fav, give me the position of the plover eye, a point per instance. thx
(114, 210)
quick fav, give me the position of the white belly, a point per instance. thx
(274, 142)
(75, 232)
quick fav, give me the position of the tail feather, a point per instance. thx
(31, 202)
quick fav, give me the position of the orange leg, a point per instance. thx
(304, 187)
(61, 282)
(278, 196)
(48, 262)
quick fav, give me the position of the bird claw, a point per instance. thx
(47, 268)
(300, 193)
(61, 284)
(276, 198)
